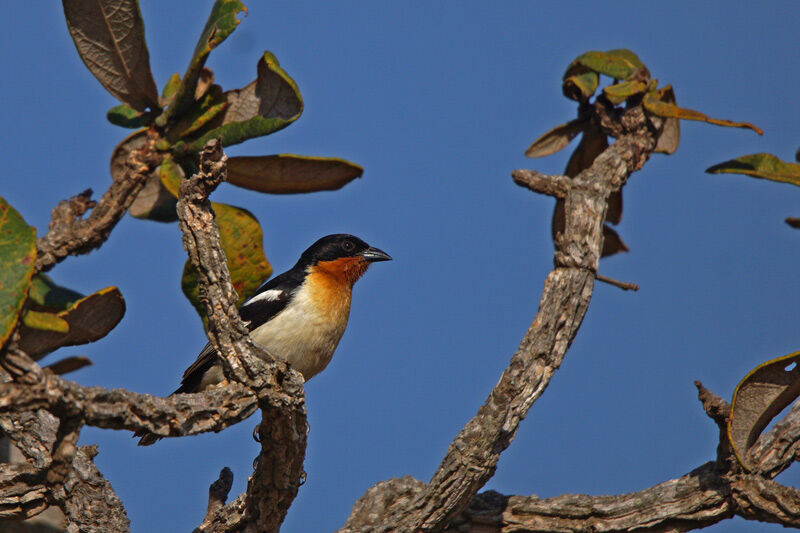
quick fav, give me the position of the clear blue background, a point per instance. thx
(438, 101)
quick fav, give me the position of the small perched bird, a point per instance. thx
(298, 316)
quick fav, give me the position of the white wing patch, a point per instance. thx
(268, 296)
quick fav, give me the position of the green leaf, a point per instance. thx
(68, 364)
(242, 241)
(44, 321)
(44, 294)
(152, 202)
(653, 103)
(89, 319)
(556, 139)
(264, 106)
(758, 398)
(288, 173)
(628, 56)
(613, 64)
(170, 88)
(765, 166)
(109, 36)
(580, 85)
(620, 92)
(17, 255)
(127, 117)
(197, 116)
(221, 23)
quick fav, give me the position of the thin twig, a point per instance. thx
(624, 285)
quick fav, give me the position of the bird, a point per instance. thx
(298, 316)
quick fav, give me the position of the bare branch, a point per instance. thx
(179, 415)
(556, 186)
(695, 500)
(472, 456)
(279, 466)
(218, 494)
(88, 500)
(775, 450)
(624, 285)
(766, 501)
(70, 234)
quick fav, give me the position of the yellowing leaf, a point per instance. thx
(264, 106)
(762, 394)
(628, 56)
(109, 36)
(580, 84)
(45, 321)
(242, 241)
(556, 139)
(655, 105)
(127, 117)
(618, 93)
(614, 65)
(288, 173)
(220, 24)
(170, 88)
(198, 115)
(89, 319)
(45, 295)
(17, 255)
(765, 166)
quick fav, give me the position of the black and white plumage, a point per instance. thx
(299, 316)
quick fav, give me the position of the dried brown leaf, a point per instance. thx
(69, 364)
(89, 319)
(109, 36)
(288, 173)
(762, 394)
(556, 139)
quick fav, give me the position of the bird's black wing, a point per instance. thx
(269, 299)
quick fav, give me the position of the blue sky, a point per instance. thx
(438, 101)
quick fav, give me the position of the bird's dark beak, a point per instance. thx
(373, 255)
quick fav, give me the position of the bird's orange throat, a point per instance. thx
(343, 270)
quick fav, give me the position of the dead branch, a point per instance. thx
(176, 416)
(279, 467)
(472, 456)
(70, 234)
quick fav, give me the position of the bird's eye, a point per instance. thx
(348, 246)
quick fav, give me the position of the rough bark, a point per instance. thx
(713, 492)
(278, 469)
(472, 456)
(70, 234)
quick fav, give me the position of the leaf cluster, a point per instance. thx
(191, 110)
(51, 316)
(631, 86)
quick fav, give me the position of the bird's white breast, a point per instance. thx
(307, 331)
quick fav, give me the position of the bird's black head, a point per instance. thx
(338, 246)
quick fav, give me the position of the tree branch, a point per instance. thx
(176, 416)
(69, 234)
(278, 469)
(23, 493)
(472, 456)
